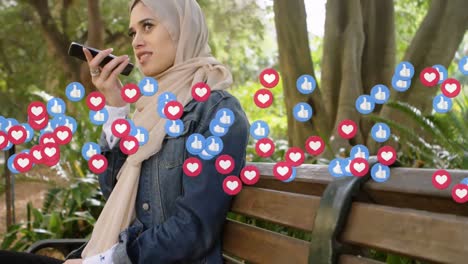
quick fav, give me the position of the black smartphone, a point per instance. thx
(76, 50)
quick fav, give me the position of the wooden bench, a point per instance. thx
(405, 215)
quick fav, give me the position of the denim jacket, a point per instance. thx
(179, 218)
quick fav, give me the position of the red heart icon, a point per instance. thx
(192, 167)
(48, 137)
(63, 135)
(22, 162)
(263, 98)
(429, 76)
(295, 156)
(460, 193)
(173, 110)
(120, 128)
(37, 110)
(359, 167)
(224, 164)
(3, 140)
(451, 87)
(269, 78)
(265, 147)
(50, 153)
(347, 129)
(17, 134)
(232, 185)
(97, 164)
(441, 179)
(36, 154)
(38, 124)
(386, 155)
(129, 145)
(130, 93)
(201, 91)
(250, 175)
(282, 170)
(315, 145)
(95, 101)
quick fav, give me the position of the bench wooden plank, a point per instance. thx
(423, 235)
(262, 246)
(288, 209)
(407, 187)
(403, 231)
(350, 259)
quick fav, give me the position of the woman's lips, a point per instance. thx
(144, 57)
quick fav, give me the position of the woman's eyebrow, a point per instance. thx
(141, 22)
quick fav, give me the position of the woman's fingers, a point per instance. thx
(94, 62)
(115, 73)
(111, 66)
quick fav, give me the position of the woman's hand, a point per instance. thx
(106, 79)
(73, 261)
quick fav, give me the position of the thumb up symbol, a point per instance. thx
(380, 174)
(360, 153)
(196, 144)
(365, 105)
(56, 108)
(337, 168)
(225, 119)
(381, 133)
(306, 85)
(75, 92)
(259, 131)
(303, 113)
(174, 128)
(442, 104)
(91, 151)
(401, 83)
(140, 136)
(381, 96)
(99, 116)
(149, 87)
(405, 72)
(213, 146)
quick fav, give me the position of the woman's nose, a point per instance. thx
(138, 41)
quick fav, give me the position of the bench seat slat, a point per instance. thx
(262, 246)
(350, 259)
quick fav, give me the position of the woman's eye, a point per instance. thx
(147, 26)
(131, 34)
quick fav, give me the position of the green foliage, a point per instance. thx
(443, 142)
(66, 213)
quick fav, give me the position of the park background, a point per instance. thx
(348, 46)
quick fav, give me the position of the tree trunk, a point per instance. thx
(95, 39)
(58, 42)
(435, 42)
(295, 60)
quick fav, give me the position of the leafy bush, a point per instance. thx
(66, 213)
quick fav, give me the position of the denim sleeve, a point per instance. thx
(201, 211)
(115, 160)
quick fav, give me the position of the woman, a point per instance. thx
(154, 213)
(179, 219)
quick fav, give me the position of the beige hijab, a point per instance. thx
(185, 22)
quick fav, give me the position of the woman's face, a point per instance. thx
(153, 47)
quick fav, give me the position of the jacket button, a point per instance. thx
(146, 206)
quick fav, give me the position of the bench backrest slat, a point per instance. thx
(288, 209)
(425, 235)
